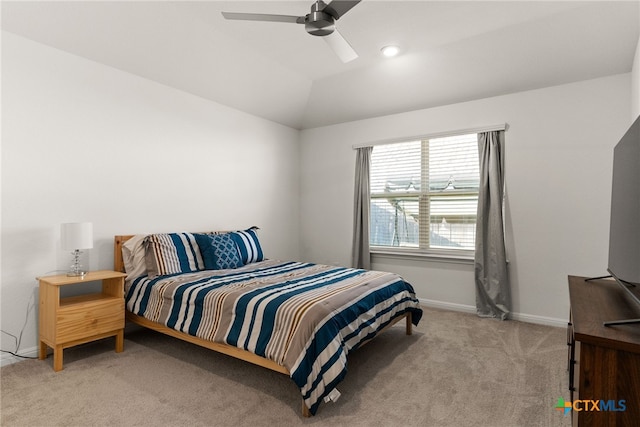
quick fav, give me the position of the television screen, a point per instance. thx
(624, 232)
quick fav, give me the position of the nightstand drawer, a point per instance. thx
(79, 318)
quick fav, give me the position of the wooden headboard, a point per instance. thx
(118, 261)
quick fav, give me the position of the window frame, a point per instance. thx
(465, 256)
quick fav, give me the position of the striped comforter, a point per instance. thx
(305, 317)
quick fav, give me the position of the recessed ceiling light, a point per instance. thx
(390, 51)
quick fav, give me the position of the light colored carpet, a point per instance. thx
(455, 370)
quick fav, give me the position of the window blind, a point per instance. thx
(424, 193)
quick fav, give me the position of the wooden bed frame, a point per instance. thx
(219, 347)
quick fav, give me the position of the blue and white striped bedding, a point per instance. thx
(305, 317)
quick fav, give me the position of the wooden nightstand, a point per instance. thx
(66, 322)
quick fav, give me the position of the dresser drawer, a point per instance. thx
(79, 318)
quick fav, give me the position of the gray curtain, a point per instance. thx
(360, 256)
(493, 294)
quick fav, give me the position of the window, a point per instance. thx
(424, 195)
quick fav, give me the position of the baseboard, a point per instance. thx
(540, 320)
(8, 359)
(447, 305)
(521, 317)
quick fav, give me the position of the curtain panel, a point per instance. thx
(360, 255)
(493, 293)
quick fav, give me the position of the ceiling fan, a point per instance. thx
(319, 22)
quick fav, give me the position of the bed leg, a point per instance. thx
(409, 324)
(305, 411)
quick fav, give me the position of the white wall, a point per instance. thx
(558, 171)
(85, 142)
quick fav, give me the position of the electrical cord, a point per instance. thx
(18, 339)
(17, 355)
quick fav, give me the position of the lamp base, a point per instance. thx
(76, 273)
(76, 268)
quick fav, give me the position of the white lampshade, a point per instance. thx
(76, 235)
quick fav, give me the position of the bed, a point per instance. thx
(296, 318)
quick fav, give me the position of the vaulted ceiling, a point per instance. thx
(451, 51)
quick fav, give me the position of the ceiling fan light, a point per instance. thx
(390, 51)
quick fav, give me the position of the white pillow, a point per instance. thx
(133, 255)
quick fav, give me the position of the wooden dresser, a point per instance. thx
(604, 362)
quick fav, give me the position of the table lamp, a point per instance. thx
(74, 237)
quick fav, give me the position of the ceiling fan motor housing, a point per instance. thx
(319, 23)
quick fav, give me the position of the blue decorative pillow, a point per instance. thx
(172, 253)
(205, 243)
(248, 245)
(226, 253)
(219, 251)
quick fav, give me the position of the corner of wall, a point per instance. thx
(635, 84)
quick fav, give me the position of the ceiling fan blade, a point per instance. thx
(337, 8)
(263, 17)
(340, 46)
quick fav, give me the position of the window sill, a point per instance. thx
(440, 256)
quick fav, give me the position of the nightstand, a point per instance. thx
(66, 322)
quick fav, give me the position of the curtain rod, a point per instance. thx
(503, 126)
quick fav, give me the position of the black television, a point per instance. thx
(624, 230)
